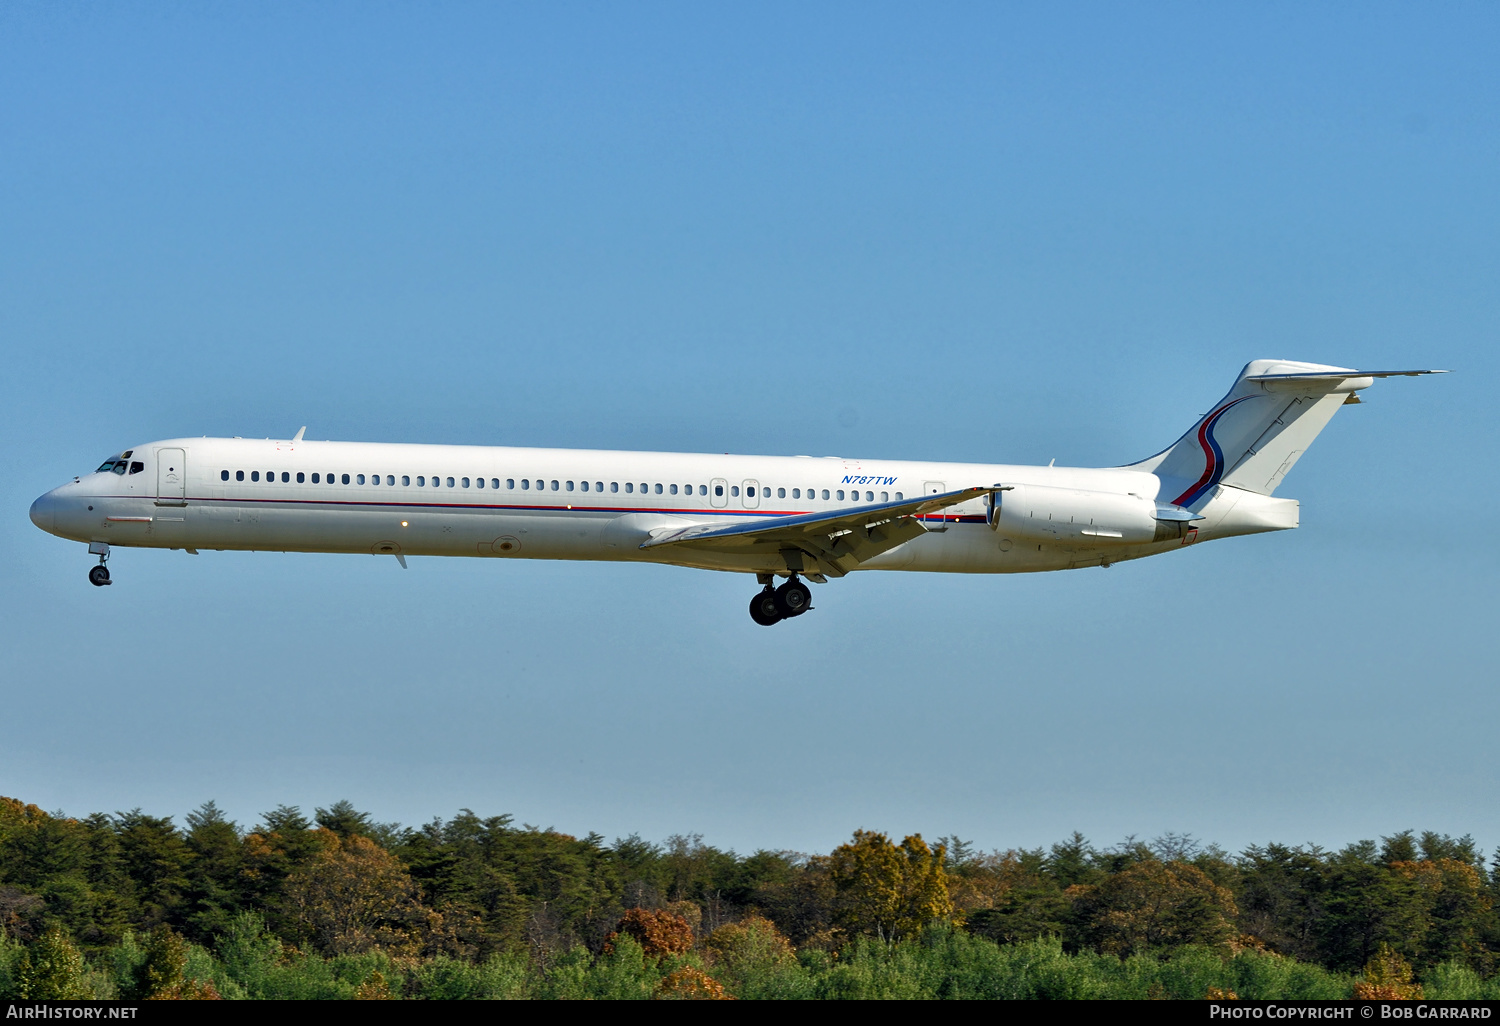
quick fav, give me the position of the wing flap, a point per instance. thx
(836, 541)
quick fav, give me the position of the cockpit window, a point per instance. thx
(137, 467)
(120, 467)
(106, 467)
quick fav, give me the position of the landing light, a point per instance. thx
(403, 523)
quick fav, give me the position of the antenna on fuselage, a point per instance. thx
(300, 432)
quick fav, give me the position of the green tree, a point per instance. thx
(51, 970)
(1281, 897)
(161, 975)
(155, 858)
(1016, 899)
(215, 889)
(1368, 903)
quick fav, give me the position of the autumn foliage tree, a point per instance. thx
(1156, 904)
(354, 896)
(657, 931)
(1387, 977)
(887, 890)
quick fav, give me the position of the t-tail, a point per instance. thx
(1252, 437)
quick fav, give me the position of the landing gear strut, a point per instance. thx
(772, 605)
(99, 575)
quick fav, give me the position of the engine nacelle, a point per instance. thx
(1045, 513)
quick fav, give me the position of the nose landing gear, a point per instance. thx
(771, 605)
(99, 575)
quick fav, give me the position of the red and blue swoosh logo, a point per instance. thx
(1213, 455)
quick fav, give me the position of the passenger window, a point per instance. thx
(598, 486)
(525, 484)
(466, 482)
(223, 475)
(629, 487)
(644, 489)
(781, 493)
(898, 496)
(359, 478)
(286, 478)
(137, 467)
(766, 493)
(345, 479)
(495, 483)
(510, 483)
(583, 486)
(479, 482)
(405, 480)
(239, 475)
(315, 479)
(255, 475)
(673, 489)
(301, 477)
(570, 486)
(796, 493)
(719, 490)
(614, 486)
(885, 496)
(554, 486)
(734, 489)
(869, 496)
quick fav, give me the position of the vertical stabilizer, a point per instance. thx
(1254, 435)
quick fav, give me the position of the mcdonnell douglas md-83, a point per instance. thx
(794, 517)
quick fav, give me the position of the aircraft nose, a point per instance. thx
(43, 512)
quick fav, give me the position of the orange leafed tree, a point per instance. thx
(658, 932)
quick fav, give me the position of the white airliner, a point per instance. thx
(799, 518)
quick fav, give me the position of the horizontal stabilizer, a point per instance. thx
(1341, 375)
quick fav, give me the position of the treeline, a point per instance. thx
(338, 905)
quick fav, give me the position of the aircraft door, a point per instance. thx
(171, 475)
(935, 488)
(718, 493)
(752, 494)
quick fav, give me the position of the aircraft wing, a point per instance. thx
(831, 543)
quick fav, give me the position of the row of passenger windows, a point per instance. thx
(541, 485)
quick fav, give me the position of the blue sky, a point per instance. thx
(1001, 233)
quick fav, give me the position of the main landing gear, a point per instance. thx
(772, 605)
(99, 575)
